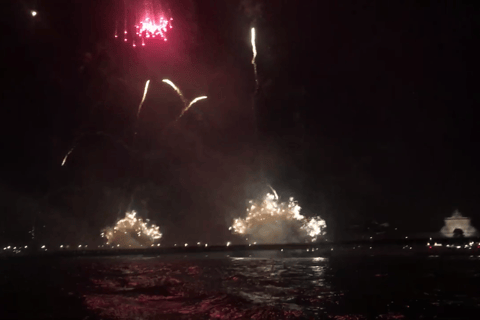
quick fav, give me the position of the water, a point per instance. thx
(219, 287)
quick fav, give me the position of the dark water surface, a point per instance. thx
(199, 287)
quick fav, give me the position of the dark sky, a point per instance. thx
(365, 111)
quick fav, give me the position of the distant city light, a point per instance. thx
(34, 13)
(228, 243)
(186, 244)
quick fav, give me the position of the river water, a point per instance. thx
(222, 287)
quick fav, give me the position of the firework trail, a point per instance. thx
(274, 192)
(191, 104)
(143, 98)
(66, 156)
(171, 84)
(254, 63)
(186, 106)
(255, 94)
(98, 133)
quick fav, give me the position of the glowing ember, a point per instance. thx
(131, 232)
(273, 221)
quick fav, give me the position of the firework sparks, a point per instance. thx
(100, 134)
(177, 90)
(191, 104)
(254, 52)
(131, 232)
(272, 221)
(150, 29)
(151, 22)
(66, 156)
(180, 94)
(143, 98)
(171, 84)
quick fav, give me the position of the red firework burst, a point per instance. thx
(149, 20)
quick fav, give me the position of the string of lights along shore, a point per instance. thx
(149, 21)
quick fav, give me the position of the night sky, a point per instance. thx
(366, 110)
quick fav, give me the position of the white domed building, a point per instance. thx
(458, 222)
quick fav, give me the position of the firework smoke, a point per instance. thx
(251, 8)
(131, 232)
(272, 222)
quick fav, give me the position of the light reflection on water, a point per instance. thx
(174, 287)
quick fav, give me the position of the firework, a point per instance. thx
(185, 101)
(177, 90)
(191, 104)
(272, 221)
(150, 22)
(100, 134)
(150, 29)
(254, 52)
(143, 98)
(131, 232)
(66, 156)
